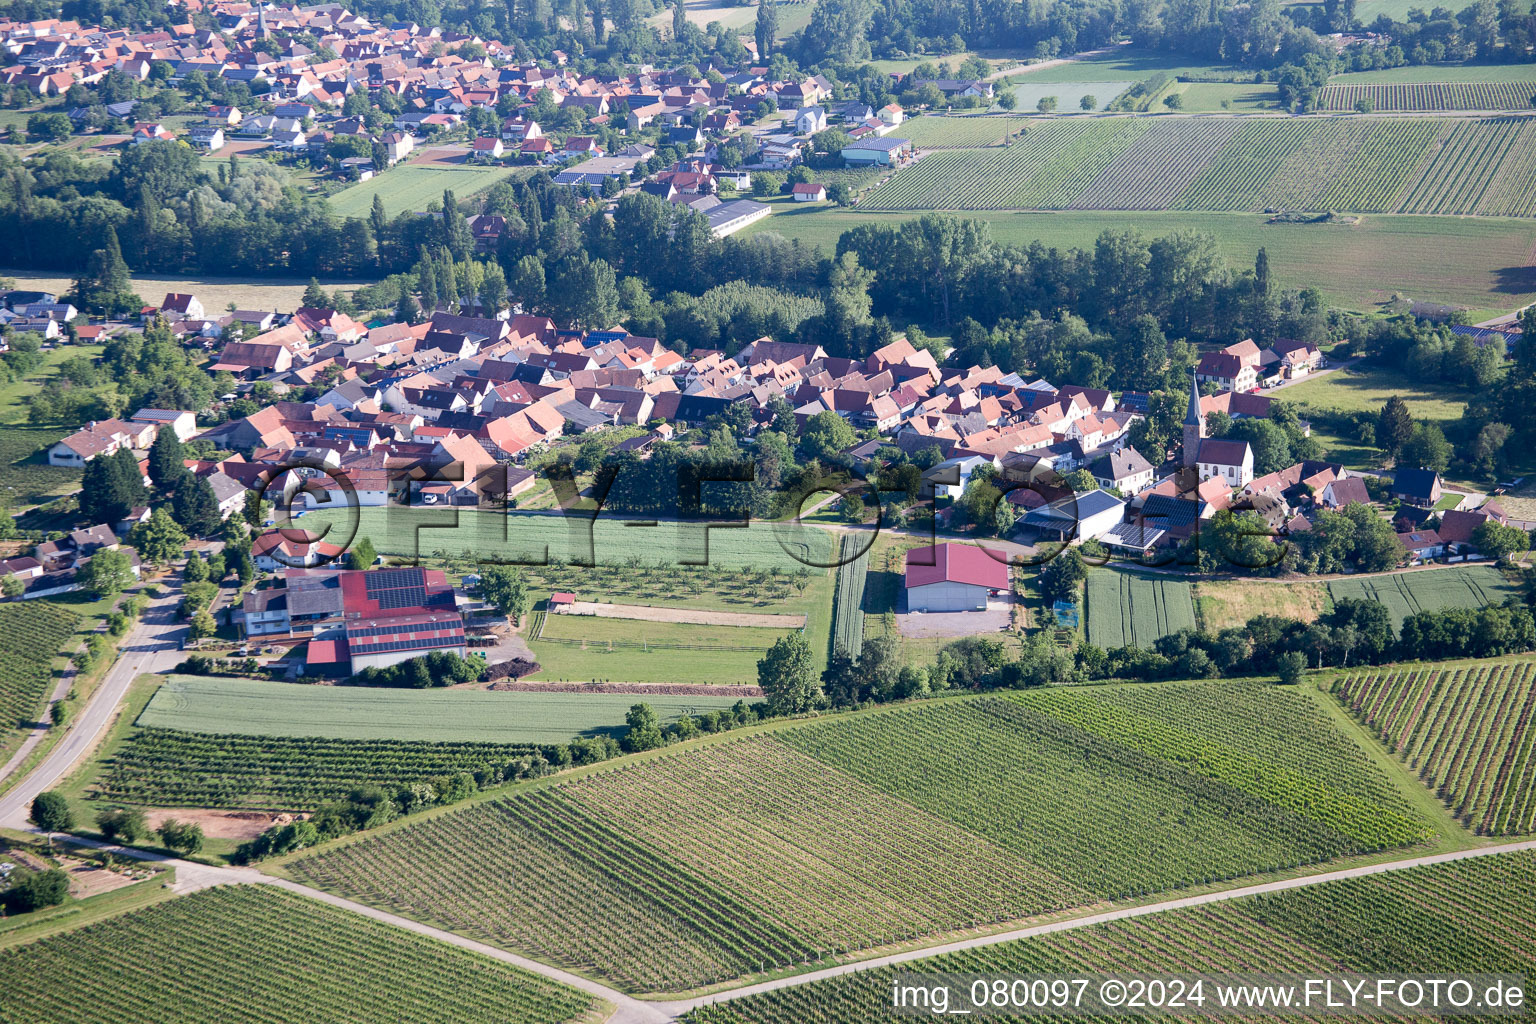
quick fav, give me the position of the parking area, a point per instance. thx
(951, 624)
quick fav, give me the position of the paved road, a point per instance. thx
(152, 645)
(629, 1010)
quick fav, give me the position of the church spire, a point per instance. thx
(1194, 417)
(1194, 423)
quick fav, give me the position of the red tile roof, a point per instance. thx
(957, 563)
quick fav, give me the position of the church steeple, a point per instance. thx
(1194, 423)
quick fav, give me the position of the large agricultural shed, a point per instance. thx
(953, 577)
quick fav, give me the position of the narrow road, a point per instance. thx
(1332, 367)
(630, 1010)
(152, 645)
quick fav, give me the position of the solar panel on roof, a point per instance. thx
(385, 579)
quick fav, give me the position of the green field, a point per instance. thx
(1467, 731)
(1123, 63)
(1420, 73)
(32, 634)
(250, 707)
(1373, 165)
(1483, 263)
(1468, 916)
(1362, 388)
(584, 648)
(1469, 586)
(1198, 97)
(26, 479)
(408, 187)
(253, 953)
(934, 132)
(1029, 92)
(538, 539)
(1127, 610)
(726, 858)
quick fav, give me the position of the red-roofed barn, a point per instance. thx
(953, 577)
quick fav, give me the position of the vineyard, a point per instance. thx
(1467, 732)
(252, 954)
(1430, 96)
(876, 828)
(1156, 168)
(1466, 916)
(32, 633)
(1481, 166)
(167, 768)
(252, 708)
(933, 132)
(1472, 586)
(848, 601)
(1127, 610)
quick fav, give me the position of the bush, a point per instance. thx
(34, 890)
(1290, 667)
(123, 824)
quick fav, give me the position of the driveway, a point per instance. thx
(949, 624)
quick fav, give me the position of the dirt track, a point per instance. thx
(697, 616)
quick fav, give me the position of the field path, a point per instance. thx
(697, 616)
(192, 876)
(1094, 919)
(1052, 63)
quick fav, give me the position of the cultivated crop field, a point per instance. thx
(934, 132)
(880, 827)
(255, 708)
(1127, 610)
(533, 540)
(171, 768)
(1470, 915)
(848, 599)
(1430, 96)
(1460, 166)
(412, 187)
(1470, 261)
(253, 953)
(1470, 586)
(31, 636)
(1467, 731)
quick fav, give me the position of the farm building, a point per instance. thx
(877, 152)
(953, 577)
(1078, 516)
(357, 619)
